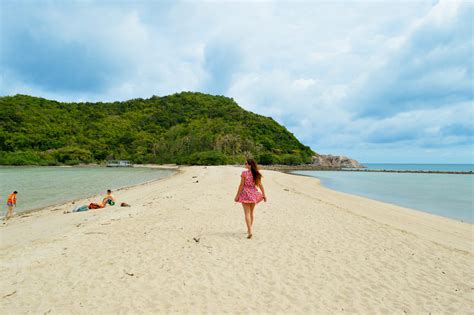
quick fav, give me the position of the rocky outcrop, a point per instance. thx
(335, 161)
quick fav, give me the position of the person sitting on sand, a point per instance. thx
(108, 199)
(11, 202)
(248, 195)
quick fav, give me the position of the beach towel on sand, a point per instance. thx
(93, 205)
(80, 208)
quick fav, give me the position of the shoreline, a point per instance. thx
(403, 211)
(379, 200)
(178, 169)
(73, 201)
(181, 247)
(154, 166)
(276, 167)
(290, 168)
(181, 169)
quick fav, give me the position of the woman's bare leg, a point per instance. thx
(252, 206)
(248, 219)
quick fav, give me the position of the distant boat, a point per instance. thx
(119, 163)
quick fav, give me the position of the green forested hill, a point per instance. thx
(184, 128)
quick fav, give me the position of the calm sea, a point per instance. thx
(43, 186)
(421, 167)
(448, 195)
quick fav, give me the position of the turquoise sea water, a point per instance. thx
(448, 195)
(43, 186)
(421, 167)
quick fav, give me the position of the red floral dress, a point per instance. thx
(249, 193)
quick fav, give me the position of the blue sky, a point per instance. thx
(379, 81)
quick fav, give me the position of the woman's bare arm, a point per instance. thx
(260, 185)
(241, 186)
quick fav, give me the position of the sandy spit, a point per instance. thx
(181, 248)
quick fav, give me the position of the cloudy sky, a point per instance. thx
(379, 81)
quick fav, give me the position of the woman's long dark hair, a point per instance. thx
(257, 176)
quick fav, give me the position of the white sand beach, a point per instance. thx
(182, 248)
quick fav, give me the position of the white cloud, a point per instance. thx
(328, 71)
(304, 83)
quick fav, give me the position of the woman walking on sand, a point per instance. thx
(248, 194)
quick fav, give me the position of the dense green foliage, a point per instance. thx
(184, 128)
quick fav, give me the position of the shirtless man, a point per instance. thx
(108, 199)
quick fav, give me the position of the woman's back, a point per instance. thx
(249, 182)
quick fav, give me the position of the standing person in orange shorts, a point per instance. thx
(11, 201)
